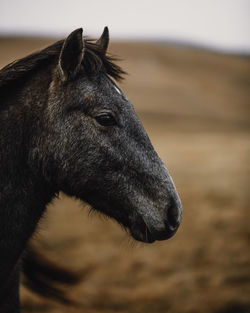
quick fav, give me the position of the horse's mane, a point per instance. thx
(93, 61)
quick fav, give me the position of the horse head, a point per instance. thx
(93, 146)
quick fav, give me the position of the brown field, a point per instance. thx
(195, 106)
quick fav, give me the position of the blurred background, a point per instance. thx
(189, 81)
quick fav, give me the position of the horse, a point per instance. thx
(66, 126)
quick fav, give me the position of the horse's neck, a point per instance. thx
(21, 109)
(22, 193)
(23, 196)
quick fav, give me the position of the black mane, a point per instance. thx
(94, 60)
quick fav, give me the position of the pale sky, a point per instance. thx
(222, 24)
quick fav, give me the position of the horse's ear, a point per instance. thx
(103, 41)
(71, 55)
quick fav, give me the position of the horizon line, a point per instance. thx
(184, 43)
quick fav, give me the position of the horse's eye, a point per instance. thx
(105, 119)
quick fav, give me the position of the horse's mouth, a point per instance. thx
(143, 228)
(142, 235)
(141, 232)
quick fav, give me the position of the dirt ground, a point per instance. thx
(195, 106)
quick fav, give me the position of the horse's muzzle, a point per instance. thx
(153, 226)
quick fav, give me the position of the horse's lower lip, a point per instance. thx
(144, 235)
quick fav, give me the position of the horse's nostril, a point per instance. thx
(173, 219)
